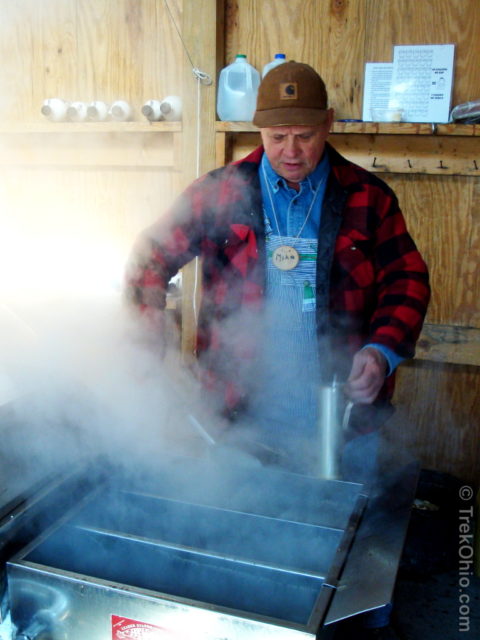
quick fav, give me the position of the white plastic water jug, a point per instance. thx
(171, 108)
(278, 59)
(77, 111)
(151, 110)
(237, 90)
(97, 111)
(55, 109)
(120, 110)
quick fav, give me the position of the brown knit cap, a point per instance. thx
(291, 94)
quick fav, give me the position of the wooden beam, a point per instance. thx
(148, 148)
(202, 33)
(449, 344)
(386, 147)
(415, 154)
(220, 148)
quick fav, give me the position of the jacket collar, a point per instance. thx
(344, 172)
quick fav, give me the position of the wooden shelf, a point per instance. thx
(382, 128)
(89, 127)
(375, 128)
(406, 128)
(458, 129)
(398, 128)
(385, 128)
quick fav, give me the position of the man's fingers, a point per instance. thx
(366, 376)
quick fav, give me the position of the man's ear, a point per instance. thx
(330, 117)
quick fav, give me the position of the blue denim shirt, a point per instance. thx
(290, 207)
(284, 407)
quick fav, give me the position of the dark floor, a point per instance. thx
(437, 595)
(430, 608)
(427, 608)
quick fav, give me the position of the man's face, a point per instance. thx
(295, 151)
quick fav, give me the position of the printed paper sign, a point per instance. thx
(128, 629)
(376, 92)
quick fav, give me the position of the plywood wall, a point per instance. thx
(438, 405)
(337, 37)
(87, 50)
(103, 188)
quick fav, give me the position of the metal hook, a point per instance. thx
(378, 166)
(409, 163)
(441, 166)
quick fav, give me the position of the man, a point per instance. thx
(309, 277)
(309, 273)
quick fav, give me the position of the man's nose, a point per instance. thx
(291, 146)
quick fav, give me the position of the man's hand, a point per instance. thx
(366, 378)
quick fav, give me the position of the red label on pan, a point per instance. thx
(128, 629)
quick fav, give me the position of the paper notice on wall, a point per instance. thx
(422, 82)
(376, 90)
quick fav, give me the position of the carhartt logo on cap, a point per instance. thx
(288, 91)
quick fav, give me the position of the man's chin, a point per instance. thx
(293, 175)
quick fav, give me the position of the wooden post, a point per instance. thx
(202, 32)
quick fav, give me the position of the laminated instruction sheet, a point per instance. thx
(418, 84)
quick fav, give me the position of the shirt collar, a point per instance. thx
(310, 182)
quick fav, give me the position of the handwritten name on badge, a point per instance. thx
(285, 258)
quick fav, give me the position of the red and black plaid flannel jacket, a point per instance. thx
(372, 283)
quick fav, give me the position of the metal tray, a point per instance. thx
(249, 552)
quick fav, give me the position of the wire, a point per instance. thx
(202, 78)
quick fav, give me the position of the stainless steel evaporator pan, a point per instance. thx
(240, 552)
